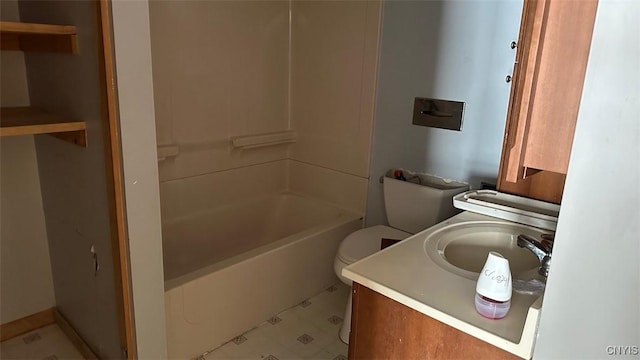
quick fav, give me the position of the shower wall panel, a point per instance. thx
(333, 71)
(220, 69)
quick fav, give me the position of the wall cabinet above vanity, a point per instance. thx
(551, 60)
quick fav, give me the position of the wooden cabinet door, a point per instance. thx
(382, 328)
(554, 42)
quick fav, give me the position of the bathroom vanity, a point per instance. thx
(416, 299)
(383, 328)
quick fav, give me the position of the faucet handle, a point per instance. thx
(547, 241)
(548, 245)
(548, 237)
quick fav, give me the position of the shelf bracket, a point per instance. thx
(78, 137)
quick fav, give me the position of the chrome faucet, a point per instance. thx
(542, 250)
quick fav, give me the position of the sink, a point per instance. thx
(462, 248)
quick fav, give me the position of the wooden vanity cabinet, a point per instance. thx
(551, 60)
(382, 328)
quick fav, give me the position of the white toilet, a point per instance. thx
(412, 205)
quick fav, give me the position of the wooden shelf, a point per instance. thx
(31, 121)
(38, 37)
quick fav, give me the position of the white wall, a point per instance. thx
(593, 292)
(137, 124)
(454, 50)
(25, 267)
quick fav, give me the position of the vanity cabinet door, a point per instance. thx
(382, 328)
(551, 59)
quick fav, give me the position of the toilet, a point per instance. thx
(413, 202)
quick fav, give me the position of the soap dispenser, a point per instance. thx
(493, 290)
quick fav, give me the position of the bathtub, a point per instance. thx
(231, 267)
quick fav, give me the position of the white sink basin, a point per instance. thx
(463, 248)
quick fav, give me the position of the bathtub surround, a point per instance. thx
(266, 236)
(189, 196)
(266, 67)
(281, 221)
(220, 70)
(334, 51)
(241, 228)
(344, 190)
(207, 306)
(454, 50)
(226, 69)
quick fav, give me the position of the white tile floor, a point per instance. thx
(306, 331)
(47, 343)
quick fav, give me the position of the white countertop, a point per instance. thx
(406, 274)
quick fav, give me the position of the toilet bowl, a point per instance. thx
(413, 202)
(356, 246)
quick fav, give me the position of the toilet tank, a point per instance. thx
(419, 202)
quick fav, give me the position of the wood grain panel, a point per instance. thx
(49, 43)
(553, 49)
(16, 27)
(16, 121)
(382, 328)
(27, 324)
(115, 185)
(560, 76)
(517, 127)
(544, 185)
(38, 37)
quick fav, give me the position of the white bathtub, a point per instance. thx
(230, 268)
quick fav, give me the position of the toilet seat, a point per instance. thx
(364, 242)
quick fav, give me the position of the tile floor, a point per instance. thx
(47, 343)
(306, 331)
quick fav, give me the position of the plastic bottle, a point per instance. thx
(493, 290)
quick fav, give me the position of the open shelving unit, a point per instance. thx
(49, 38)
(32, 121)
(38, 37)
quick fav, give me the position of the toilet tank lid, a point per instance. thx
(429, 180)
(364, 242)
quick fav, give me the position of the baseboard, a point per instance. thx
(74, 337)
(41, 319)
(27, 324)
